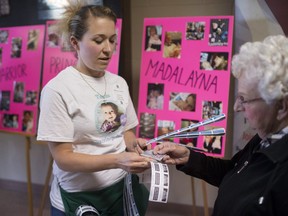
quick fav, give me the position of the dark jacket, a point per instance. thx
(254, 182)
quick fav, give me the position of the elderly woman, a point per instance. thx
(254, 181)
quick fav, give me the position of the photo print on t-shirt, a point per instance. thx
(109, 116)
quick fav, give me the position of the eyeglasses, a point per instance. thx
(240, 100)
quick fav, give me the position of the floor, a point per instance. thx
(14, 201)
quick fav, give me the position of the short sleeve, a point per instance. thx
(55, 124)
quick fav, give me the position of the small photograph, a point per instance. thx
(53, 39)
(157, 178)
(189, 141)
(1, 54)
(18, 92)
(212, 144)
(10, 121)
(156, 193)
(147, 125)
(27, 121)
(218, 35)
(165, 127)
(165, 168)
(4, 36)
(157, 167)
(213, 61)
(155, 97)
(112, 117)
(153, 38)
(182, 101)
(16, 49)
(172, 45)
(165, 195)
(166, 180)
(195, 30)
(31, 98)
(33, 36)
(211, 108)
(5, 100)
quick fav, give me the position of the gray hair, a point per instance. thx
(265, 63)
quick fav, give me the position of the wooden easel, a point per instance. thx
(46, 187)
(205, 200)
(29, 182)
(28, 171)
(45, 190)
(194, 210)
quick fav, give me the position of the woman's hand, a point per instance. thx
(174, 154)
(140, 145)
(134, 144)
(132, 162)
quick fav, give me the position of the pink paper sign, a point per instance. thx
(20, 71)
(185, 75)
(57, 56)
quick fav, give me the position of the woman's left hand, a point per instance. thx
(140, 145)
(134, 144)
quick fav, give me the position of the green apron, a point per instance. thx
(108, 201)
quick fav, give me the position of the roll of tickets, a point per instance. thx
(129, 204)
(159, 188)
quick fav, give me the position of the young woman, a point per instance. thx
(90, 164)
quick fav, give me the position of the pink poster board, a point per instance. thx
(20, 70)
(185, 75)
(57, 56)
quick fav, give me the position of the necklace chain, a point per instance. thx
(92, 86)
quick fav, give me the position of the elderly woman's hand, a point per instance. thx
(174, 154)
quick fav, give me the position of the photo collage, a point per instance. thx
(200, 49)
(20, 78)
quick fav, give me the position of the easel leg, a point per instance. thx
(46, 186)
(193, 197)
(28, 169)
(205, 201)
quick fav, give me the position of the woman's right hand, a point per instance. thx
(132, 162)
(174, 154)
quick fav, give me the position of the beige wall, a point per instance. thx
(180, 189)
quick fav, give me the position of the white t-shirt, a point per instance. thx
(71, 111)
